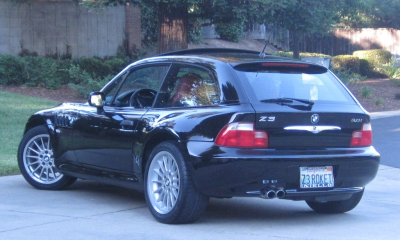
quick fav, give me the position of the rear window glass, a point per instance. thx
(294, 83)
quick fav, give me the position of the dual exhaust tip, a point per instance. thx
(271, 193)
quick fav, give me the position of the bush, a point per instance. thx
(366, 92)
(396, 81)
(41, 72)
(229, 31)
(11, 70)
(345, 63)
(84, 83)
(115, 65)
(349, 77)
(371, 62)
(93, 66)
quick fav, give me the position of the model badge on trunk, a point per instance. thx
(266, 118)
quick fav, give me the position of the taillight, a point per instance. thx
(242, 134)
(363, 137)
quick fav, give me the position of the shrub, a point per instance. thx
(345, 63)
(349, 77)
(373, 62)
(93, 66)
(230, 31)
(83, 82)
(379, 101)
(11, 70)
(396, 81)
(396, 74)
(366, 92)
(41, 72)
(115, 65)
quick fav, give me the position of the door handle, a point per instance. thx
(127, 125)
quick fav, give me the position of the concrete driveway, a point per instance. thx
(90, 210)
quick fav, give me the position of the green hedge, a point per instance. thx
(51, 73)
(371, 62)
(345, 63)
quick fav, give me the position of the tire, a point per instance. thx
(169, 190)
(36, 161)
(336, 206)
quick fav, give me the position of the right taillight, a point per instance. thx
(363, 137)
(242, 134)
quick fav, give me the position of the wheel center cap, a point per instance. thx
(167, 182)
(46, 158)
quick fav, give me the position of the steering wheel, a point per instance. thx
(142, 98)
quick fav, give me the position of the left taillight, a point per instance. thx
(242, 134)
(363, 137)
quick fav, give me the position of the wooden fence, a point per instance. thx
(343, 41)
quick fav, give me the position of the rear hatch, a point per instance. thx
(301, 105)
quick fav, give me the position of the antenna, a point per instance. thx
(262, 53)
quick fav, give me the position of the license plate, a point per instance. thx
(316, 177)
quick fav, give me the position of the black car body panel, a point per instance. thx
(112, 143)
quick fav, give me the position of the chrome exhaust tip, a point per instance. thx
(268, 194)
(280, 193)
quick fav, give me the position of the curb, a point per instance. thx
(376, 115)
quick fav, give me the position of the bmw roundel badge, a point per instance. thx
(314, 118)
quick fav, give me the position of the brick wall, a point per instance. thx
(60, 27)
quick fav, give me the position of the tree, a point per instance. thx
(174, 16)
(310, 16)
(375, 14)
(230, 16)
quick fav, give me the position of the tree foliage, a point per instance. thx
(177, 19)
(375, 14)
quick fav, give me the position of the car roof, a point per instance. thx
(227, 55)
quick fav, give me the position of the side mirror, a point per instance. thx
(96, 99)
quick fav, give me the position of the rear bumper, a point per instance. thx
(231, 172)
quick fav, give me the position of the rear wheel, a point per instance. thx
(336, 206)
(36, 161)
(170, 193)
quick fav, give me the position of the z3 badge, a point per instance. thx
(267, 119)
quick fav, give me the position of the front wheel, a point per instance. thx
(36, 161)
(169, 190)
(336, 206)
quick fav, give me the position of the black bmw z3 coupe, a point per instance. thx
(193, 124)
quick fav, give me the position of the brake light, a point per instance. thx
(363, 137)
(242, 134)
(274, 64)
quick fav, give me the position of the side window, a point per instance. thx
(149, 79)
(112, 88)
(188, 86)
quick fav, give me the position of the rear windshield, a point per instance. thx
(315, 84)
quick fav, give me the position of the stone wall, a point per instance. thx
(64, 27)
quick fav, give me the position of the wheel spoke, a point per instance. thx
(36, 168)
(41, 173)
(37, 145)
(52, 172)
(33, 150)
(33, 163)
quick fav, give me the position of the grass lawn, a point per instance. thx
(15, 110)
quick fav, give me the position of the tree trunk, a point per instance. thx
(296, 50)
(172, 28)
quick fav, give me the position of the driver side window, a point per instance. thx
(148, 78)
